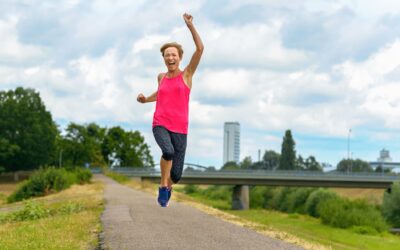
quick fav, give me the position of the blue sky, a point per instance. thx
(318, 68)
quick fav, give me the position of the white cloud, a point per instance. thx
(12, 51)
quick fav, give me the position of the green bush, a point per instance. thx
(218, 192)
(190, 189)
(279, 200)
(343, 213)
(364, 230)
(260, 196)
(391, 205)
(83, 175)
(315, 198)
(47, 180)
(297, 199)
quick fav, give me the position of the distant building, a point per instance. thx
(231, 142)
(384, 161)
(384, 156)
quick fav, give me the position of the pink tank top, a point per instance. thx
(172, 107)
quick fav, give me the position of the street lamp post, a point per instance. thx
(348, 149)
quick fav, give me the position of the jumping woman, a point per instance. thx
(170, 120)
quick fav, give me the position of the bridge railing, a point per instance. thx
(259, 173)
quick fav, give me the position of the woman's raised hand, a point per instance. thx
(188, 18)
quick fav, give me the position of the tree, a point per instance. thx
(312, 164)
(126, 149)
(271, 159)
(230, 165)
(27, 130)
(246, 163)
(82, 144)
(288, 153)
(353, 166)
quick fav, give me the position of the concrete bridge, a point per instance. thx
(242, 179)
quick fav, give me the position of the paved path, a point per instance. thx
(133, 220)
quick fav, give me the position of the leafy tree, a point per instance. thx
(82, 144)
(271, 159)
(246, 163)
(126, 149)
(27, 130)
(380, 169)
(312, 164)
(288, 154)
(230, 165)
(351, 165)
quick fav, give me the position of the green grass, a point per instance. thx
(120, 178)
(72, 221)
(311, 229)
(306, 227)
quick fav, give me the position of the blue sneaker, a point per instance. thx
(169, 194)
(163, 196)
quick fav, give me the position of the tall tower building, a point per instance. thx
(231, 142)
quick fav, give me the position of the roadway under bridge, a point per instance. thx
(242, 179)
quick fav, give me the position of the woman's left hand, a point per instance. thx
(188, 18)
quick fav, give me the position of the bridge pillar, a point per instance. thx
(240, 197)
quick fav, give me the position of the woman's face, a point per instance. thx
(171, 58)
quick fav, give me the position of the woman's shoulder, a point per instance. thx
(160, 77)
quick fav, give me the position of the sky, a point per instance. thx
(328, 70)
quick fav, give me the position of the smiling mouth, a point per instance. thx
(171, 63)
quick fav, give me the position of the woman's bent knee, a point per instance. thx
(168, 155)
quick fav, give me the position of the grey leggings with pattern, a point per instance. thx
(173, 147)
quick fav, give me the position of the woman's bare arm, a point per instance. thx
(195, 60)
(153, 97)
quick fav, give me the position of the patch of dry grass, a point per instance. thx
(65, 231)
(373, 196)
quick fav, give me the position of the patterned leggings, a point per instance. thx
(173, 147)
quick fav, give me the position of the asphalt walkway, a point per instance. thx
(133, 220)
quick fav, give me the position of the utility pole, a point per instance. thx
(348, 150)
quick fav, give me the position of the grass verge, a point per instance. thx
(302, 230)
(69, 220)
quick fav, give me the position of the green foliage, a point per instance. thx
(218, 192)
(27, 130)
(126, 148)
(45, 181)
(260, 196)
(353, 166)
(310, 164)
(288, 153)
(391, 205)
(83, 175)
(317, 197)
(246, 163)
(364, 230)
(343, 213)
(191, 189)
(230, 165)
(33, 210)
(279, 200)
(214, 192)
(297, 199)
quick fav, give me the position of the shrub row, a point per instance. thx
(48, 180)
(333, 210)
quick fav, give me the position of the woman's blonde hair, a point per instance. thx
(173, 44)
